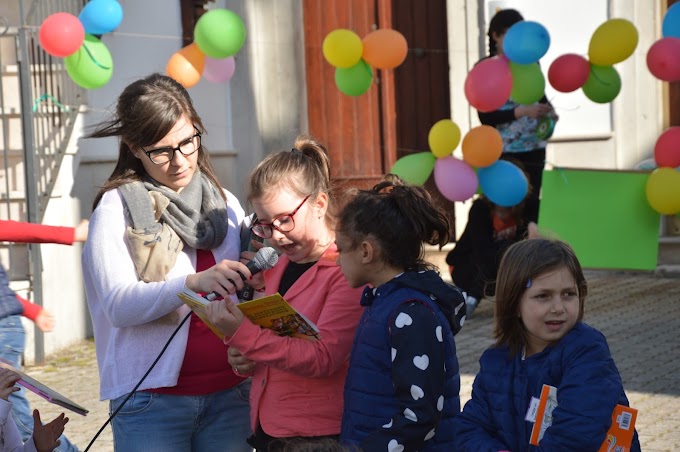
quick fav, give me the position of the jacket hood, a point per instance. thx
(448, 297)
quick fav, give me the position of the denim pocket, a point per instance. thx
(243, 389)
(138, 403)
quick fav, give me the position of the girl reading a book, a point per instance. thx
(297, 382)
(541, 340)
(401, 391)
(162, 222)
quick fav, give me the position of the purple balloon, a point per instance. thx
(219, 70)
(455, 179)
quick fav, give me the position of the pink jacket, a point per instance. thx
(297, 387)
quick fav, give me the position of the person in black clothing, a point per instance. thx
(518, 124)
(490, 230)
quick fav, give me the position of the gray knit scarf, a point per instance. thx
(198, 214)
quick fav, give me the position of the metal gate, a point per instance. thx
(38, 107)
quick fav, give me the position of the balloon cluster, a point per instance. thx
(354, 58)
(663, 61)
(612, 42)
(218, 35)
(458, 180)
(514, 75)
(88, 61)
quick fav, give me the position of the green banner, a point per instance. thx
(604, 215)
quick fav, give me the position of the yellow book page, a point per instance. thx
(275, 313)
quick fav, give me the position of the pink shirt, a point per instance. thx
(297, 387)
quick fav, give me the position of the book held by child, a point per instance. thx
(272, 312)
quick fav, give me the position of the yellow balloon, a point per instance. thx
(663, 190)
(443, 138)
(342, 48)
(613, 41)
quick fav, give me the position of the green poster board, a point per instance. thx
(603, 215)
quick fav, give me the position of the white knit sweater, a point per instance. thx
(133, 319)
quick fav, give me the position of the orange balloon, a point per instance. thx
(384, 48)
(186, 65)
(482, 146)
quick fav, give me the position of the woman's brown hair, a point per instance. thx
(146, 111)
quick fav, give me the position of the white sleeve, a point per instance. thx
(9, 432)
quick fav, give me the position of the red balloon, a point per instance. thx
(61, 34)
(667, 148)
(488, 84)
(663, 59)
(568, 72)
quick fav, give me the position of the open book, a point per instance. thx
(619, 436)
(43, 391)
(271, 312)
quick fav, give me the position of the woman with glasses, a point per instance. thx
(162, 222)
(297, 383)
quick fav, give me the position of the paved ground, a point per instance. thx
(639, 314)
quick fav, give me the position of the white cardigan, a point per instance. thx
(133, 319)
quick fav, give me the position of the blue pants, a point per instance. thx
(12, 343)
(152, 422)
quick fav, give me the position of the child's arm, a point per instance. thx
(418, 378)
(589, 390)
(475, 429)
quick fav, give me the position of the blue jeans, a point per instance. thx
(12, 343)
(151, 422)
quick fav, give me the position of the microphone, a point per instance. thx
(264, 259)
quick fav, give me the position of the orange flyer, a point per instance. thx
(620, 434)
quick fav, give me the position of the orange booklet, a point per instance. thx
(271, 312)
(619, 436)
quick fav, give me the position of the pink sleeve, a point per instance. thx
(337, 323)
(20, 232)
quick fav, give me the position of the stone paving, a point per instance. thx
(638, 313)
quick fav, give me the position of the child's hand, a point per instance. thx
(80, 231)
(45, 321)
(7, 380)
(255, 281)
(532, 231)
(46, 436)
(225, 316)
(238, 362)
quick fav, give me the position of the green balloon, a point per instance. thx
(603, 84)
(220, 33)
(354, 80)
(91, 66)
(414, 168)
(528, 83)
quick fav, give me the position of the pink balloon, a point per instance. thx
(663, 59)
(568, 72)
(488, 84)
(667, 148)
(61, 34)
(455, 179)
(219, 70)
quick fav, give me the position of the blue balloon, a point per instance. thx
(101, 16)
(526, 42)
(503, 183)
(671, 22)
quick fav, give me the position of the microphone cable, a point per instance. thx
(140, 382)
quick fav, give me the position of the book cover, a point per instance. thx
(44, 391)
(272, 312)
(619, 436)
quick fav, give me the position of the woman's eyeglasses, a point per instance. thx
(282, 223)
(165, 154)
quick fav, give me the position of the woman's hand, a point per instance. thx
(238, 362)
(225, 278)
(225, 316)
(46, 437)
